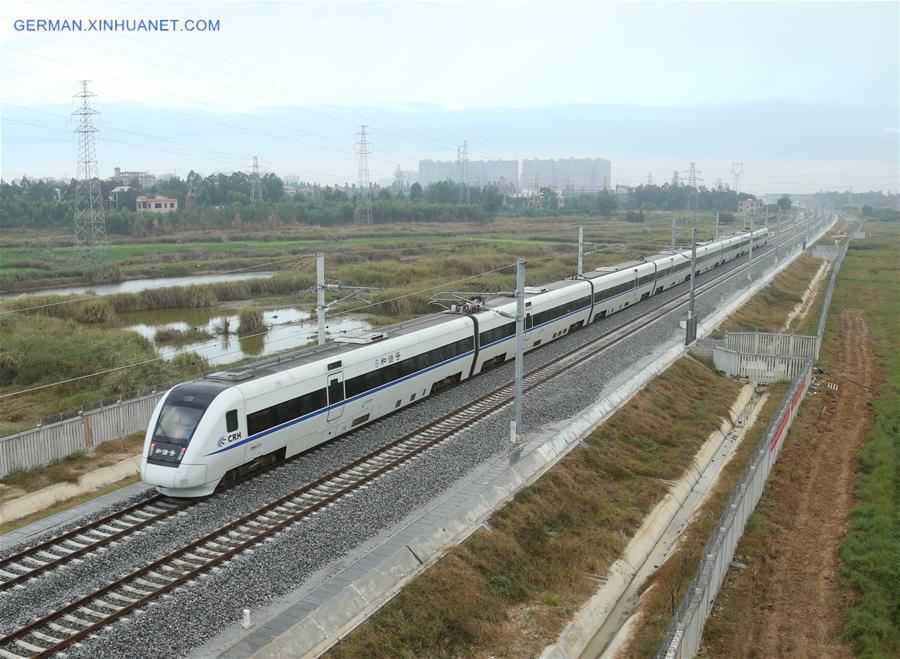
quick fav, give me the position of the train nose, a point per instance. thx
(183, 476)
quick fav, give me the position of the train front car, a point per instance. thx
(191, 421)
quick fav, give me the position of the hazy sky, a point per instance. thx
(341, 56)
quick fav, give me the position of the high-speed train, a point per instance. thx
(230, 422)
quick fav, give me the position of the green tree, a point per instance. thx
(784, 204)
(415, 192)
(492, 200)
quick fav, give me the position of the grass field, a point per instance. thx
(870, 280)
(34, 260)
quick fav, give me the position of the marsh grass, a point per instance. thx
(250, 321)
(180, 337)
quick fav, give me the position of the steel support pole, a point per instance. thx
(717, 225)
(320, 295)
(690, 334)
(750, 258)
(580, 249)
(516, 430)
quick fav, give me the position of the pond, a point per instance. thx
(287, 328)
(136, 285)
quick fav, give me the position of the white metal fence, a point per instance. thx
(685, 631)
(767, 343)
(54, 441)
(758, 368)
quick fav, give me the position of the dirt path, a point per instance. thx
(790, 602)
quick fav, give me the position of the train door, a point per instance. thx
(335, 395)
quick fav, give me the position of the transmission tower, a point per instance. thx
(737, 170)
(90, 227)
(399, 179)
(363, 212)
(650, 178)
(693, 183)
(462, 159)
(191, 198)
(255, 183)
(675, 180)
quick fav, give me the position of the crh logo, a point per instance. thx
(228, 439)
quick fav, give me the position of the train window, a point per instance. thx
(262, 420)
(231, 423)
(284, 412)
(334, 365)
(392, 372)
(335, 391)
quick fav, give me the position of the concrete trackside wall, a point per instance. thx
(44, 444)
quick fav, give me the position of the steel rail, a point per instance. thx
(45, 556)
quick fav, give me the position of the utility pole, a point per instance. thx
(515, 430)
(750, 258)
(363, 212)
(255, 185)
(580, 249)
(717, 225)
(320, 295)
(90, 225)
(690, 334)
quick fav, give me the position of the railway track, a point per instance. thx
(89, 614)
(48, 555)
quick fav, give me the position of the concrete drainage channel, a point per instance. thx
(340, 598)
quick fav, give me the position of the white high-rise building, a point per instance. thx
(577, 174)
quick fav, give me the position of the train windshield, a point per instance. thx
(177, 424)
(180, 416)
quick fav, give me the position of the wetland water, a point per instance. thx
(136, 285)
(288, 328)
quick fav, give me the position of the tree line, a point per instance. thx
(224, 201)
